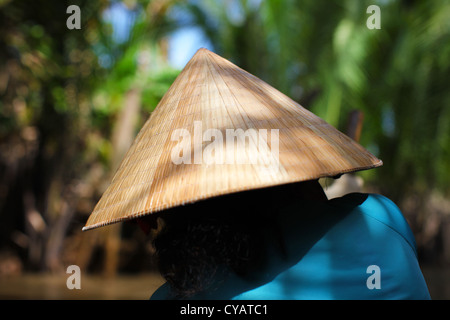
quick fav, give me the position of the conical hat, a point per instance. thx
(220, 130)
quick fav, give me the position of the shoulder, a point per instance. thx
(378, 210)
(386, 212)
(333, 258)
(162, 293)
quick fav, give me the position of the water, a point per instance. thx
(438, 281)
(39, 286)
(141, 287)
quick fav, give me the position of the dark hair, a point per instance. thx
(201, 244)
(199, 255)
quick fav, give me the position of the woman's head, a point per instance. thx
(200, 244)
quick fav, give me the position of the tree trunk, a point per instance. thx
(122, 139)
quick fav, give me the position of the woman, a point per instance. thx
(288, 242)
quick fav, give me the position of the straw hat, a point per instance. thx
(220, 130)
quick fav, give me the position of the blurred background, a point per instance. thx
(72, 101)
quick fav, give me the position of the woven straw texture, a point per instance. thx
(213, 93)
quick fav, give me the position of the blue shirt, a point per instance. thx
(355, 247)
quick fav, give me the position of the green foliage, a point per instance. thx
(322, 54)
(62, 92)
